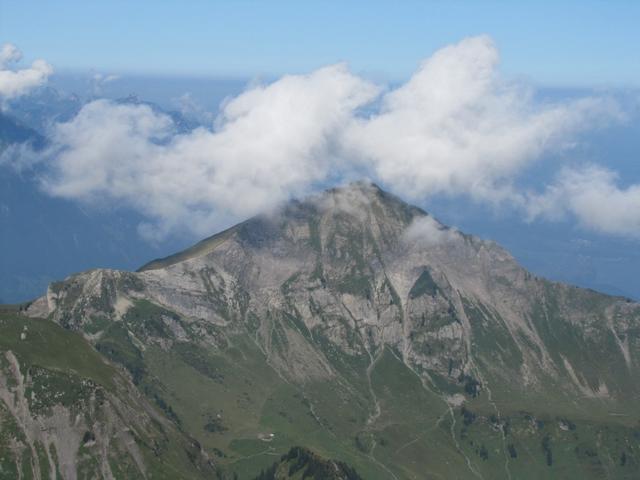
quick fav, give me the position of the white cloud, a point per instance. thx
(592, 195)
(9, 53)
(427, 231)
(455, 127)
(100, 80)
(19, 157)
(15, 83)
(192, 110)
(269, 143)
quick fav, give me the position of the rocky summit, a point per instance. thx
(349, 326)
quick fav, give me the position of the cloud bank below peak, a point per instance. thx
(456, 127)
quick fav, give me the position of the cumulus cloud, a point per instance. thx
(591, 194)
(427, 231)
(455, 127)
(15, 83)
(268, 143)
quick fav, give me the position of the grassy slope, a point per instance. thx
(412, 437)
(61, 363)
(230, 399)
(233, 410)
(52, 347)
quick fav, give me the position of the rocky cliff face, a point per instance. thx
(382, 324)
(66, 414)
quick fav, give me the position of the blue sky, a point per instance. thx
(574, 43)
(554, 176)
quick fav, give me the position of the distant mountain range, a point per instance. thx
(49, 105)
(349, 326)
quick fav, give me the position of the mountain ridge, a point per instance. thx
(358, 325)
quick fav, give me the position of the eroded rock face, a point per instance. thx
(65, 414)
(55, 428)
(359, 270)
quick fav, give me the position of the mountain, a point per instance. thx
(181, 123)
(65, 413)
(300, 463)
(45, 106)
(43, 238)
(359, 327)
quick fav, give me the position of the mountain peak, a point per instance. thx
(366, 201)
(362, 191)
(366, 187)
(360, 207)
